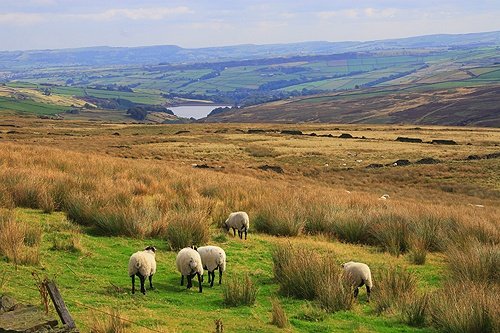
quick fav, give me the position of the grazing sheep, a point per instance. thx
(238, 221)
(142, 264)
(189, 264)
(360, 275)
(213, 257)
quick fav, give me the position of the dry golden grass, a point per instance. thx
(19, 242)
(142, 196)
(141, 183)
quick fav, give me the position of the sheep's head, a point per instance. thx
(193, 264)
(346, 264)
(225, 226)
(150, 248)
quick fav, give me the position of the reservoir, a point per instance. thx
(194, 111)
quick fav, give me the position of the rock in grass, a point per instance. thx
(427, 160)
(443, 142)
(292, 132)
(405, 139)
(274, 168)
(25, 319)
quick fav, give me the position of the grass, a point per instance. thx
(19, 242)
(97, 279)
(109, 324)
(395, 287)
(466, 307)
(279, 317)
(141, 190)
(239, 290)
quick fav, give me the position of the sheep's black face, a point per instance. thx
(226, 227)
(150, 248)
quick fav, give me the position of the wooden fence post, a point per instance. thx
(58, 302)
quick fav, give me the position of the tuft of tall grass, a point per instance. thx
(19, 242)
(280, 217)
(352, 227)
(466, 307)
(415, 311)
(111, 323)
(418, 252)
(305, 274)
(186, 228)
(391, 231)
(297, 270)
(395, 286)
(278, 315)
(474, 262)
(334, 291)
(239, 290)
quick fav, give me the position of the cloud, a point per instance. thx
(20, 18)
(153, 13)
(354, 13)
(43, 2)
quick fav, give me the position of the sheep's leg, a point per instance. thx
(151, 282)
(368, 291)
(190, 283)
(182, 280)
(220, 275)
(199, 282)
(213, 277)
(143, 279)
(356, 292)
(234, 232)
(240, 234)
(246, 231)
(209, 276)
(133, 284)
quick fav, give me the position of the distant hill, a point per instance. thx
(103, 56)
(471, 106)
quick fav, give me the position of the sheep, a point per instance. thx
(189, 264)
(238, 221)
(213, 257)
(142, 264)
(360, 275)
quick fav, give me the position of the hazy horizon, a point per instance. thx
(60, 24)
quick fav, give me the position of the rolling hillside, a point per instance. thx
(468, 106)
(105, 56)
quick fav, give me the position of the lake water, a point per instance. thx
(194, 111)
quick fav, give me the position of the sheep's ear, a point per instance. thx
(195, 248)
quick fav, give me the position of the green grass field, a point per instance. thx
(96, 280)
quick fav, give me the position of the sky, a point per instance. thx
(54, 24)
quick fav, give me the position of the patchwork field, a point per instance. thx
(78, 198)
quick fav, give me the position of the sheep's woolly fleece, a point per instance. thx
(188, 262)
(238, 220)
(142, 262)
(358, 272)
(212, 258)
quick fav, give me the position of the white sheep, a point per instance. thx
(238, 221)
(360, 275)
(142, 264)
(213, 257)
(189, 264)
